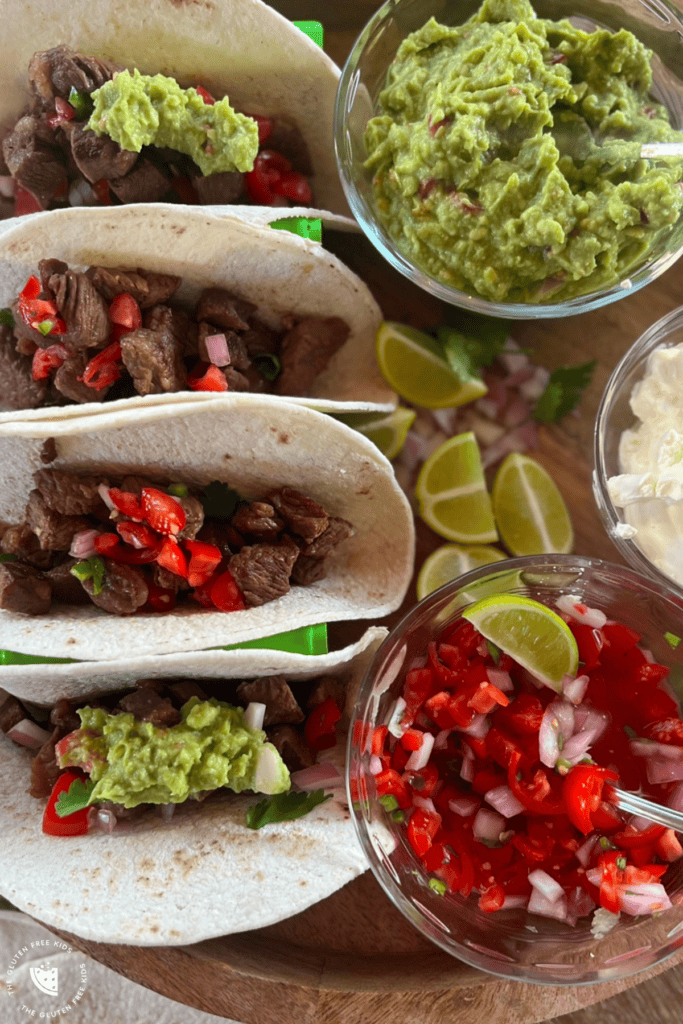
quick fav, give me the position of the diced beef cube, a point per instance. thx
(57, 71)
(262, 571)
(168, 580)
(308, 570)
(303, 515)
(11, 712)
(64, 715)
(145, 183)
(238, 356)
(48, 450)
(218, 306)
(146, 287)
(154, 360)
(147, 705)
(258, 518)
(222, 535)
(325, 687)
(134, 484)
(306, 350)
(274, 692)
(46, 268)
(194, 517)
(83, 309)
(66, 380)
(259, 339)
(25, 346)
(220, 189)
(124, 589)
(18, 389)
(236, 381)
(186, 688)
(66, 588)
(292, 747)
(286, 139)
(24, 589)
(35, 163)
(44, 768)
(54, 530)
(22, 542)
(97, 156)
(70, 494)
(337, 531)
(175, 322)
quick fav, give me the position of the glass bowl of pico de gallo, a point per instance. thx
(482, 795)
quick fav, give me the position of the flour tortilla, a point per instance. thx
(254, 445)
(242, 48)
(218, 247)
(201, 875)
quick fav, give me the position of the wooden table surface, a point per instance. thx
(353, 957)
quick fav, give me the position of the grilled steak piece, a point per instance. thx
(46, 268)
(220, 189)
(57, 71)
(176, 322)
(258, 518)
(54, 530)
(66, 380)
(194, 516)
(154, 360)
(97, 156)
(147, 705)
(11, 712)
(70, 494)
(292, 747)
(286, 139)
(262, 571)
(218, 306)
(124, 589)
(237, 350)
(83, 309)
(303, 515)
(274, 692)
(260, 340)
(66, 588)
(33, 159)
(325, 687)
(308, 570)
(168, 580)
(63, 715)
(145, 183)
(306, 350)
(147, 287)
(22, 542)
(186, 688)
(18, 389)
(44, 768)
(337, 531)
(48, 450)
(24, 589)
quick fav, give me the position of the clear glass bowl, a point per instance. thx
(512, 943)
(614, 416)
(657, 23)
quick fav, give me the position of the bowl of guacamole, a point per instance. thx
(497, 153)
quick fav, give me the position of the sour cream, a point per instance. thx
(650, 488)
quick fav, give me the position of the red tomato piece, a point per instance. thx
(45, 360)
(294, 186)
(260, 182)
(126, 503)
(102, 370)
(213, 379)
(24, 201)
(163, 513)
(160, 599)
(619, 639)
(522, 716)
(379, 738)
(204, 560)
(109, 546)
(411, 739)
(125, 312)
(582, 793)
(589, 640)
(319, 728)
(423, 781)
(422, 828)
(137, 535)
(75, 824)
(418, 687)
(205, 95)
(390, 783)
(492, 899)
(666, 730)
(265, 127)
(225, 594)
(171, 557)
(486, 697)
(102, 193)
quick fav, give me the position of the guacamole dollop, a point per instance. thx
(152, 110)
(133, 762)
(506, 155)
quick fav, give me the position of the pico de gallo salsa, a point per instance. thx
(503, 784)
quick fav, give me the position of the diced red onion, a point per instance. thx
(578, 745)
(444, 420)
(649, 656)
(675, 800)
(441, 741)
(464, 804)
(426, 803)
(488, 825)
(673, 849)
(648, 898)
(533, 388)
(519, 377)
(319, 776)
(254, 714)
(579, 903)
(572, 605)
(517, 440)
(488, 407)
(217, 349)
(513, 902)
(467, 766)
(540, 904)
(396, 714)
(419, 758)
(639, 824)
(166, 811)
(594, 876)
(558, 720)
(583, 854)
(498, 677)
(28, 734)
(651, 748)
(511, 360)
(81, 194)
(504, 801)
(478, 727)
(6, 186)
(546, 885)
(516, 413)
(376, 766)
(103, 492)
(659, 770)
(574, 689)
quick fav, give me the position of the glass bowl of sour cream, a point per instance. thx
(638, 454)
(494, 156)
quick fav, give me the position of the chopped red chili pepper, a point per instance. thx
(205, 95)
(422, 828)
(102, 370)
(582, 791)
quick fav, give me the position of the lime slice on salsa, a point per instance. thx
(415, 366)
(530, 512)
(387, 430)
(451, 490)
(534, 635)
(451, 561)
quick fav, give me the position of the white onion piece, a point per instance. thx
(82, 545)
(534, 387)
(546, 885)
(498, 677)
(6, 186)
(441, 741)
(649, 898)
(675, 801)
(103, 492)
(426, 803)
(512, 360)
(376, 766)
(419, 758)
(28, 734)
(565, 714)
(504, 801)
(574, 689)
(649, 656)
(217, 349)
(487, 407)
(488, 825)
(394, 724)
(254, 714)
(444, 420)
(583, 854)
(319, 776)
(467, 766)
(464, 804)
(540, 904)
(572, 605)
(513, 902)
(81, 194)
(478, 727)
(106, 820)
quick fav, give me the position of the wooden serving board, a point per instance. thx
(354, 957)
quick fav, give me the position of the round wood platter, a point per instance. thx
(353, 957)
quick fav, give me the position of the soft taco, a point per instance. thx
(148, 462)
(244, 112)
(183, 863)
(167, 303)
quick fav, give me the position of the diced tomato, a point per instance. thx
(213, 379)
(109, 546)
(522, 716)
(488, 778)
(411, 739)
(125, 312)
(24, 201)
(379, 738)
(492, 899)
(668, 846)
(40, 314)
(589, 640)
(137, 534)
(205, 95)
(422, 828)
(102, 370)
(171, 557)
(45, 360)
(463, 635)
(225, 594)
(666, 730)
(453, 657)
(260, 182)
(102, 193)
(319, 728)
(536, 795)
(619, 639)
(486, 698)
(126, 503)
(609, 884)
(502, 748)
(204, 560)
(390, 783)
(417, 688)
(293, 186)
(423, 781)
(75, 824)
(163, 513)
(265, 127)
(582, 792)
(399, 758)
(160, 599)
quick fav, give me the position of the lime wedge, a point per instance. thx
(413, 364)
(530, 512)
(536, 637)
(451, 561)
(387, 430)
(452, 492)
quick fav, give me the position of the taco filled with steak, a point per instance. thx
(157, 302)
(166, 529)
(217, 103)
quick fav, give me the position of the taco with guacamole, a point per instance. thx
(164, 303)
(207, 806)
(192, 526)
(212, 103)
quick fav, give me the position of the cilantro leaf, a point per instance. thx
(219, 501)
(563, 391)
(284, 807)
(6, 318)
(75, 798)
(476, 345)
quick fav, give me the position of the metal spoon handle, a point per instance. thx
(647, 809)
